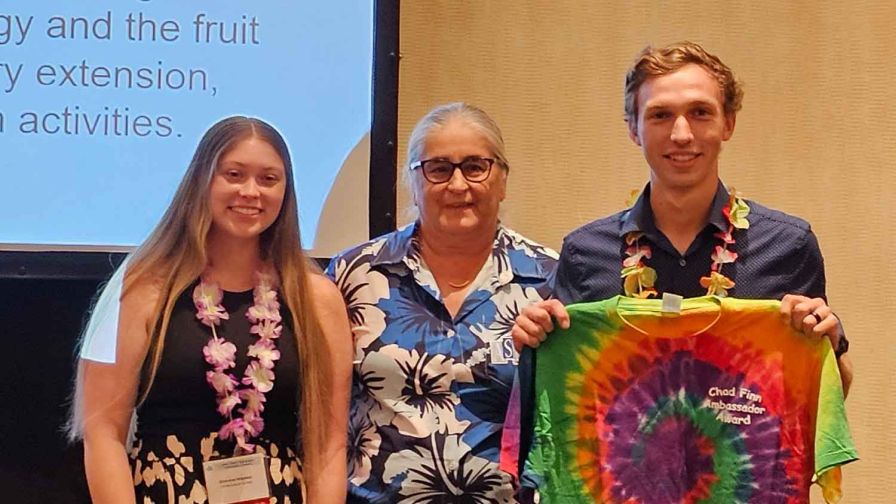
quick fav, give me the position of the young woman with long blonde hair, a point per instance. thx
(228, 342)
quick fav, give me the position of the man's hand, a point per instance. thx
(815, 318)
(535, 321)
(811, 316)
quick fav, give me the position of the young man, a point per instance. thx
(685, 235)
(681, 104)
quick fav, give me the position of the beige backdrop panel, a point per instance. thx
(815, 137)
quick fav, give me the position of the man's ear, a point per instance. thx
(633, 131)
(730, 120)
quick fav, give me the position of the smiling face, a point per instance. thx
(680, 127)
(459, 207)
(247, 189)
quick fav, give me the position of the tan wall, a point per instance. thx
(815, 137)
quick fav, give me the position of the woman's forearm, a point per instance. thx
(108, 472)
(328, 484)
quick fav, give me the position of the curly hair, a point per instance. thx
(656, 61)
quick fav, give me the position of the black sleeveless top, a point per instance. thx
(178, 421)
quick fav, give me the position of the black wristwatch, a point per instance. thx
(842, 346)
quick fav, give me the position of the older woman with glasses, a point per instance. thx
(431, 307)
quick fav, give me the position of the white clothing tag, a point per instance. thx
(237, 480)
(671, 303)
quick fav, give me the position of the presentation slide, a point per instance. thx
(102, 104)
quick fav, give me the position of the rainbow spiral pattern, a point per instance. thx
(722, 403)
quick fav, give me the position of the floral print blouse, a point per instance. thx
(430, 391)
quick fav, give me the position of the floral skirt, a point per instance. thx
(170, 471)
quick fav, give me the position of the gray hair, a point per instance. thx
(440, 116)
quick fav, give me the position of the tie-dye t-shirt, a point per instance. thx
(722, 403)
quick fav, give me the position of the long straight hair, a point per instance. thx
(174, 256)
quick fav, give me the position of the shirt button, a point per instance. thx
(682, 262)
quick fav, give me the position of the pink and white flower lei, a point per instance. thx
(258, 378)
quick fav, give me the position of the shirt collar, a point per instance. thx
(512, 248)
(397, 246)
(400, 244)
(640, 216)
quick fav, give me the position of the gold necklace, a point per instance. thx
(460, 285)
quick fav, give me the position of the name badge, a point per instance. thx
(237, 480)
(502, 351)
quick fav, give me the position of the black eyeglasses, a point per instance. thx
(439, 171)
